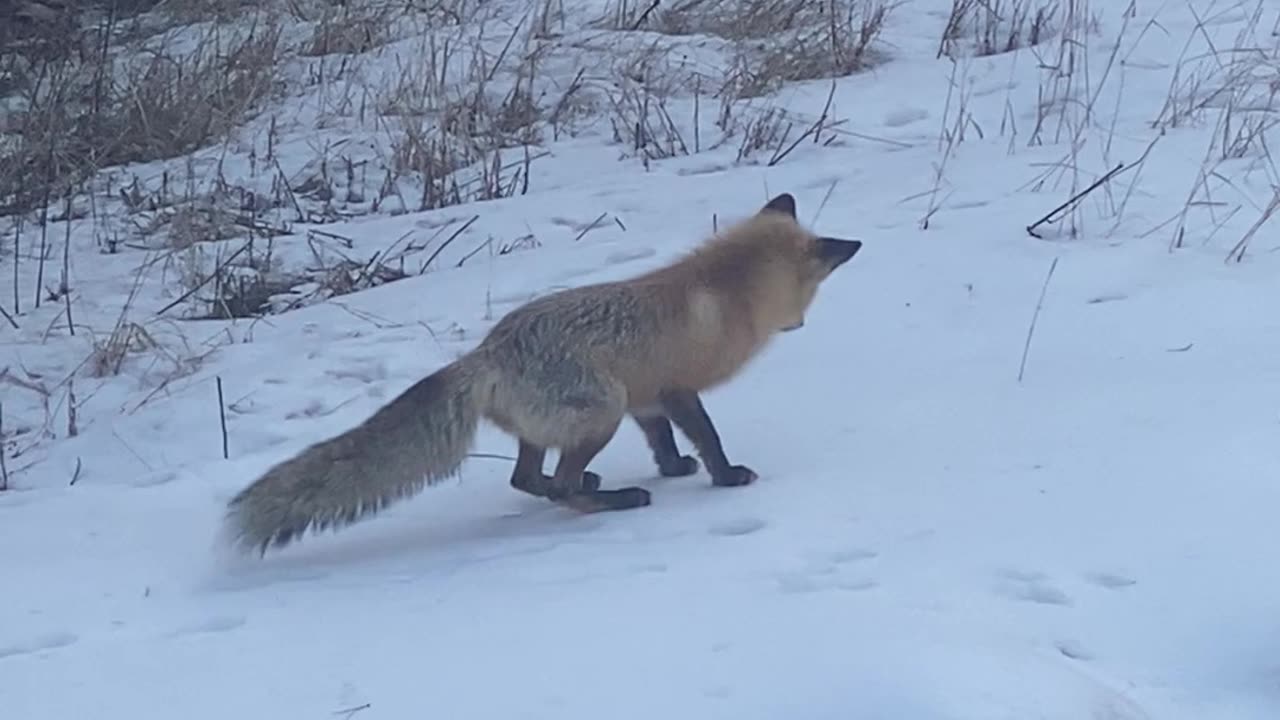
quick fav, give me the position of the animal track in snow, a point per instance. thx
(1110, 581)
(739, 526)
(831, 570)
(253, 578)
(823, 182)
(856, 585)
(573, 274)
(151, 479)
(215, 624)
(366, 371)
(968, 205)
(515, 298)
(993, 88)
(1034, 587)
(905, 116)
(38, 643)
(852, 555)
(807, 582)
(626, 256)
(1073, 650)
(313, 409)
(702, 169)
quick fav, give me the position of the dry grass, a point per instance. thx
(774, 41)
(1234, 87)
(721, 18)
(991, 27)
(79, 114)
(839, 42)
(657, 95)
(349, 28)
(1067, 110)
(462, 140)
(464, 105)
(457, 116)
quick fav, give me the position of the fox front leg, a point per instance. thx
(685, 409)
(662, 442)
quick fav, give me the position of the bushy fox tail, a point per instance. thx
(419, 438)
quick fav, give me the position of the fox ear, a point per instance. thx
(783, 203)
(834, 252)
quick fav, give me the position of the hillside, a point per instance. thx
(1021, 461)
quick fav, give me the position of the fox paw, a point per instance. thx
(627, 498)
(545, 488)
(678, 466)
(735, 476)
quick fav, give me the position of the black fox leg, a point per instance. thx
(528, 476)
(657, 431)
(568, 486)
(685, 409)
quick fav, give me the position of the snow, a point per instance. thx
(931, 538)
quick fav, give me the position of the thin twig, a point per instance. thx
(4, 468)
(491, 456)
(645, 15)
(825, 198)
(1237, 252)
(9, 317)
(44, 237)
(1071, 202)
(66, 265)
(448, 240)
(349, 712)
(222, 417)
(17, 260)
(73, 428)
(474, 252)
(1026, 347)
(813, 131)
(216, 272)
(591, 227)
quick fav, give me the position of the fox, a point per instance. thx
(561, 372)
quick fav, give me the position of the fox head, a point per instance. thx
(801, 261)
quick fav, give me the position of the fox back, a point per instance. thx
(691, 324)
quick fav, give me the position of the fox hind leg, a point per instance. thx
(528, 476)
(561, 403)
(662, 442)
(569, 488)
(685, 409)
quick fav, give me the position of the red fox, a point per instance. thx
(562, 371)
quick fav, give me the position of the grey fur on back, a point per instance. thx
(419, 438)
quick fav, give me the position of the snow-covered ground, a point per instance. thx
(932, 538)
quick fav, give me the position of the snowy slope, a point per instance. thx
(931, 538)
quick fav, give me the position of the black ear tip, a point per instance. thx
(784, 203)
(837, 251)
